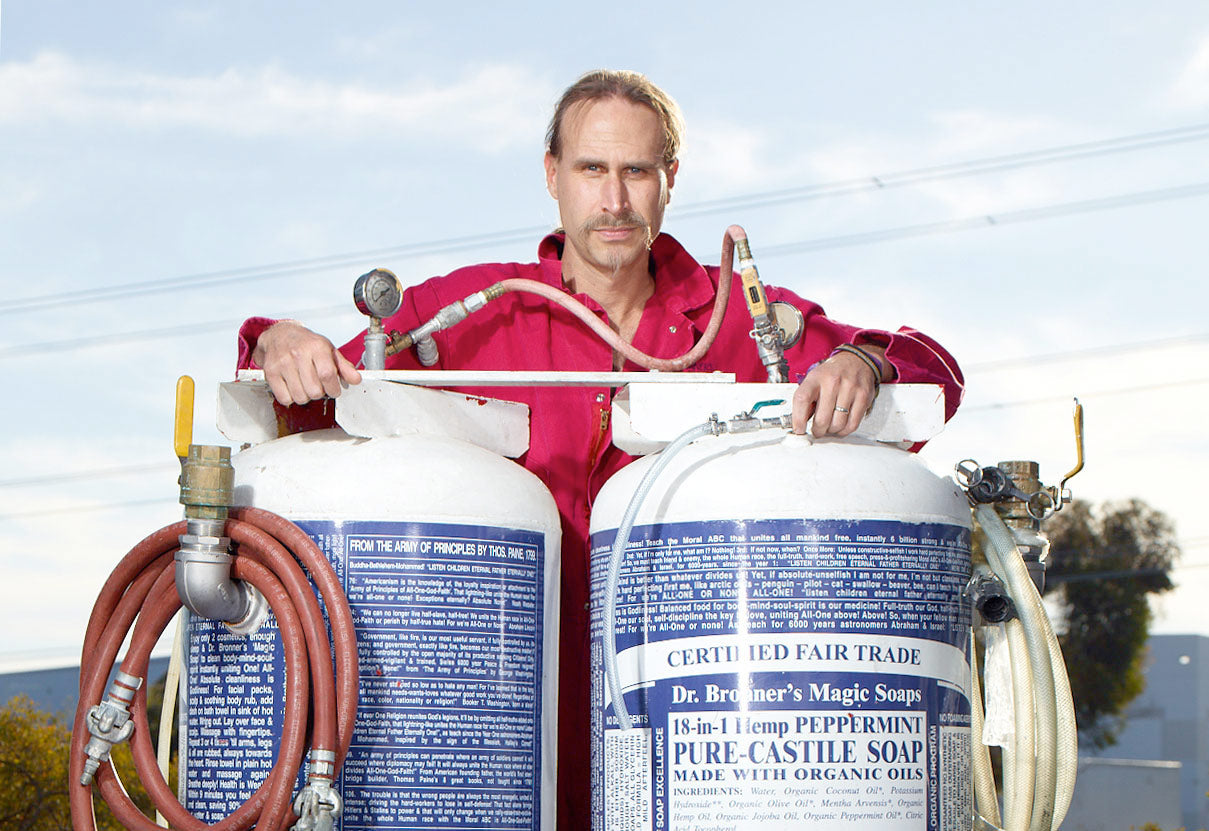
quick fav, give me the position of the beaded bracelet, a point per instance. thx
(873, 363)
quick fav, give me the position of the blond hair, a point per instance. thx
(631, 86)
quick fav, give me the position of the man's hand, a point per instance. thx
(838, 393)
(301, 365)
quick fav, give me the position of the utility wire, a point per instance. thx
(101, 473)
(864, 238)
(1052, 399)
(1123, 574)
(1090, 352)
(990, 220)
(920, 174)
(159, 333)
(82, 509)
(265, 272)
(1138, 141)
(991, 164)
(1089, 576)
(164, 467)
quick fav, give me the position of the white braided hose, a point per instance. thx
(617, 557)
(1068, 731)
(1019, 777)
(985, 799)
(1057, 738)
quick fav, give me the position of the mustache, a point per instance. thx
(623, 219)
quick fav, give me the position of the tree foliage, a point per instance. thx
(34, 747)
(33, 769)
(1104, 564)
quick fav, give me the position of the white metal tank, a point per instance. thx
(791, 639)
(449, 555)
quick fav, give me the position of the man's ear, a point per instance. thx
(671, 177)
(551, 164)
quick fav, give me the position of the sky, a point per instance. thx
(1028, 183)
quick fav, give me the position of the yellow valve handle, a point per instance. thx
(753, 289)
(182, 435)
(1078, 443)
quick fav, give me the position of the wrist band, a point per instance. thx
(874, 365)
(877, 361)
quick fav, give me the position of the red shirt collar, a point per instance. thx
(681, 283)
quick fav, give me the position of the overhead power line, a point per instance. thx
(953, 170)
(991, 164)
(82, 475)
(1090, 352)
(983, 221)
(864, 238)
(157, 333)
(265, 272)
(76, 509)
(164, 467)
(1123, 574)
(1090, 576)
(1054, 399)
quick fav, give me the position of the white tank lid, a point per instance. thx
(379, 409)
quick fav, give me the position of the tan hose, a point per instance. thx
(421, 336)
(733, 235)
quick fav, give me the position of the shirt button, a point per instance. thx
(600, 397)
(672, 329)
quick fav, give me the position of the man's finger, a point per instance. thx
(805, 399)
(826, 413)
(348, 370)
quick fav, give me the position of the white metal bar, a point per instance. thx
(522, 378)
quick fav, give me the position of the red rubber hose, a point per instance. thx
(733, 235)
(142, 592)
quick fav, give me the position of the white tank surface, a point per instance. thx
(327, 473)
(791, 640)
(449, 555)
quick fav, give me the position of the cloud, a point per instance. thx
(492, 107)
(725, 157)
(955, 137)
(18, 197)
(745, 155)
(968, 133)
(1190, 90)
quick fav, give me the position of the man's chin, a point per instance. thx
(611, 256)
(618, 258)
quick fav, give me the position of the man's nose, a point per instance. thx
(614, 198)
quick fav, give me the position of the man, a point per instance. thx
(611, 163)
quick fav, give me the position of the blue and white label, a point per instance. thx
(786, 674)
(448, 731)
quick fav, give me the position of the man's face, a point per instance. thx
(610, 182)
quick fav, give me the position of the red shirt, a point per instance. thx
(570, 447)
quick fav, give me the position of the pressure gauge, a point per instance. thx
(378, 293)
(790, 321)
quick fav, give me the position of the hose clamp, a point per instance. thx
(322, 764)
(109, 723)
(317, 805)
